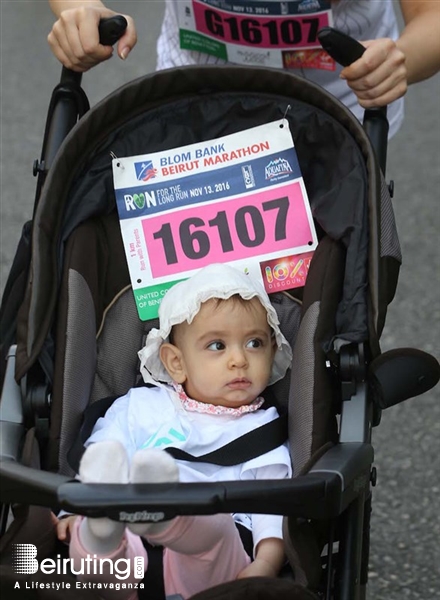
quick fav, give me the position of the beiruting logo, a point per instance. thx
(277, 168)
(145, 170)
(24, 561)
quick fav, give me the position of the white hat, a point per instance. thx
(182, 303)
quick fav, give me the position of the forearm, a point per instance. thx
(420, 39)
(58, 6)
(270, 552)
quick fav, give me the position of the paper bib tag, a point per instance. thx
(254, 32)
(239, 199)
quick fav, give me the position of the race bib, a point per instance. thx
(239, 199)
(257, 32)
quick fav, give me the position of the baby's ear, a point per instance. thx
(171, 358)
(274, 344)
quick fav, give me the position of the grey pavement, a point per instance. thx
(405, 554)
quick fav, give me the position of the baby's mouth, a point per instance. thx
(240, 383)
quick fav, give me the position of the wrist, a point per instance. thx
(270, 553)
(266, 567)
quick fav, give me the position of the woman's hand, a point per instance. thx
(74, 38)
(386, 68)
(380, 75)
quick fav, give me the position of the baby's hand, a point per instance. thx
(268, 561)
(64, 528)
(379, 76)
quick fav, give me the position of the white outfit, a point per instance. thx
(155, 418)
(361, 19)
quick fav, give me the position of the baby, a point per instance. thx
(218, 347)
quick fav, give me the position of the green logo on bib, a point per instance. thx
(139, 200)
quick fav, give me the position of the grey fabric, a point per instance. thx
(389, 241)
(79, 363)
(300, 421)
(288, 310)
(302, 390)
(117, 366)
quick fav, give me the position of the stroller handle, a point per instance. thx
(110, 30)
(341, 47)
(69, 103)
(334, 481)
(346, 50)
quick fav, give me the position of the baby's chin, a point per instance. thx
(234, 400)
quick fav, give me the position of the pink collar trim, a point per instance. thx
(214, 409)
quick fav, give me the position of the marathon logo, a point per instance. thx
(145, 170)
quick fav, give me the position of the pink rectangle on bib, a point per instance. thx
(256, 225)
(256, 31)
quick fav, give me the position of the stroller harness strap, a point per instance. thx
(250, 445)
(259, 441)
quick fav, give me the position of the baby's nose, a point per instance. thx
(238, 358)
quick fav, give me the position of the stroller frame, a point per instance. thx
(337, 487)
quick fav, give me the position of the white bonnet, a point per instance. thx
(182, 303)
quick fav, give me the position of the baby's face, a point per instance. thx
(227, 352)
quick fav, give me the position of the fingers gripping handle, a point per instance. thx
(110, 30)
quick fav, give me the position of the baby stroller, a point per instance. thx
(77, 331)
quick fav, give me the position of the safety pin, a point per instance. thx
(285, 113)
(118, 164)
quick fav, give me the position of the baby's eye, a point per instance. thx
(254, 343)
(216, 346)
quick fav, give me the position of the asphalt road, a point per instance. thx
(405, 554)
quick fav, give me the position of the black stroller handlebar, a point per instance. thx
(111, 29)
(69, 103)
(345, 50)
(341, 47)
(334, 481)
